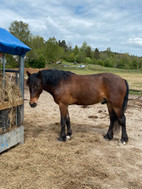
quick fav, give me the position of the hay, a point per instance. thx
(9, 92)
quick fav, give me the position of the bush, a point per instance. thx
(87, 60)
(108, 63)
(100, 62)
(119, 64)
(70, 58)
(93, 61)
(80, 57)
(37, 63)
(134, 64)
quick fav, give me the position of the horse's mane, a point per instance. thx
(53, 76)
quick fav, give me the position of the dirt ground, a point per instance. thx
(87, 161)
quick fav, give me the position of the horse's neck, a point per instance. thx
(48, 88)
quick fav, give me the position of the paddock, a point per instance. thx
(86, 161)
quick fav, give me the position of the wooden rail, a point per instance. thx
(7, 105)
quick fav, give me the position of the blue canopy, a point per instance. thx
(11, 45)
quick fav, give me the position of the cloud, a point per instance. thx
(101, 24)
(136, 41)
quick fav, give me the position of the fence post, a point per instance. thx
(21, 86)
(3, 65)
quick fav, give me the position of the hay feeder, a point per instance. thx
(11, 132)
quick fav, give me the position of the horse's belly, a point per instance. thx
(86, 102)
(88, 99)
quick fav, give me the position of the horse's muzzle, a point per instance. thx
(33, 105)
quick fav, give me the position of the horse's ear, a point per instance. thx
(40, 74)
(28, 74)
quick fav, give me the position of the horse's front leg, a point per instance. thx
(63, 113)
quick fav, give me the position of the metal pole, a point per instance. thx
(21, 75)
(3, 64)
(21, 85)
(4, 113)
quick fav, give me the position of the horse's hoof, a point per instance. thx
(124, 140)
(107, 137)
(122, 143)
(68, 137)
(62, 139)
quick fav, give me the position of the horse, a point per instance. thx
(68, 88)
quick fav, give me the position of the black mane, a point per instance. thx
(53, 77)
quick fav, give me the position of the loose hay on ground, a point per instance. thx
(84, 162)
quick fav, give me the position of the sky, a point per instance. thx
(102, 24)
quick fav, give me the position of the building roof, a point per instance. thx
(11, 45)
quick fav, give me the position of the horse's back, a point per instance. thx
(86, 89)
(91, 89)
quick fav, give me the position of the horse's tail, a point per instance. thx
(116, 128)
(125, 102)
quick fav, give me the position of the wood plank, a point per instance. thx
(7, 105)
(11, 138)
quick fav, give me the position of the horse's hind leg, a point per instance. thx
(69, 131)
(113, 119)
(122, 121)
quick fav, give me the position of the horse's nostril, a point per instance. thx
(33, 105)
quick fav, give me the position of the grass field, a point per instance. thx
(134, 77)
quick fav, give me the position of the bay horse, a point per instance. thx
(68, 88)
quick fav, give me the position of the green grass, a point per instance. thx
(135, 92)
(89, 68)
(134, 77)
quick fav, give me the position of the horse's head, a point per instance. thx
(35, 85)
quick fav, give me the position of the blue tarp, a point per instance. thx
(11, 45)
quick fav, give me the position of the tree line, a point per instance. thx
(51, 51)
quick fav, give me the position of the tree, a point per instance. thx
(53, 51)
(88, 52)
(20, 30)
(71, 57)
(87, 60)
(80, 57)
(119, 63)
(37, 45)
(11, 60)
(109, 52)
(108, 63)
(96, 54)
(63, 44)
(100, 62)
(82, 52)
(126, 60)
(83, 47)
(37, 42)
(140, 64)
(38, 62)
(134, 64)
(76, 50)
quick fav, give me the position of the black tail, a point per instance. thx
(116, 128)
(124, 106)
